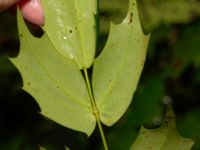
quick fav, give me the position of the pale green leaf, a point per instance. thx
(164, 138)
(72, 28)
(54, 81)
(118, 68)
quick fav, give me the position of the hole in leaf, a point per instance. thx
(35, 30)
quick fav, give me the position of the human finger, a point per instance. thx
(32, 11)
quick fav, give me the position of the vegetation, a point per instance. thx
(170, 76)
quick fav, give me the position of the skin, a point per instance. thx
(31, 9)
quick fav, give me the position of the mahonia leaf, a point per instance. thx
(71, 27)
(117, 70)
(163, 138)
(54, 81)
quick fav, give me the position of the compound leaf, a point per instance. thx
(164, 138)
(71, 26)
(117, 70)
(54, 81)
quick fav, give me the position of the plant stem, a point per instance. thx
(95, 110)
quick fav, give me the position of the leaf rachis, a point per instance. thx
(95, 110)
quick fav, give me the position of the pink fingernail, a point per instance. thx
(32, 11)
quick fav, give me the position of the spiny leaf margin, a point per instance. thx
(163, 138)
(117, 70)
(54, 81)
(71, 26)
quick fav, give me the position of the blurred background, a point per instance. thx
(171, 74)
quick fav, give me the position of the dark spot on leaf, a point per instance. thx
(57, 87)
(29, 83)
(20, 35)
(76, 28)
(131, 18)
(109, 80)
(70, 31)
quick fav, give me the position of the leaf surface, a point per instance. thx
(71, 26)
(117, 70)
(164, 138)
(54, 81)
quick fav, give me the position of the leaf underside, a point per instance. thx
(117, 70)
(54, 81)
(163, 138)
(71, 26)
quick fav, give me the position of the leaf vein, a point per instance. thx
(65, 91)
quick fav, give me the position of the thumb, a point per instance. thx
(32, 11)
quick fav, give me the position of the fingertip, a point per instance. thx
(32, 11)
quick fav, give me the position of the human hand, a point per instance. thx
(4, 4)
(31, 9)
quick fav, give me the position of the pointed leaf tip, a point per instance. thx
(117, 70)
(54, 81)
(163, 138)
(71, 26)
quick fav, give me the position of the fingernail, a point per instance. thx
(32, 11)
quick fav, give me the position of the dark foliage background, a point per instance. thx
(171, 73)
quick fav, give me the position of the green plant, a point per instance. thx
(55, 66)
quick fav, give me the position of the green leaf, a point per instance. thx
(156, 12)
(118, 68)
(164, 138)
(71, 27)
(54, 81)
